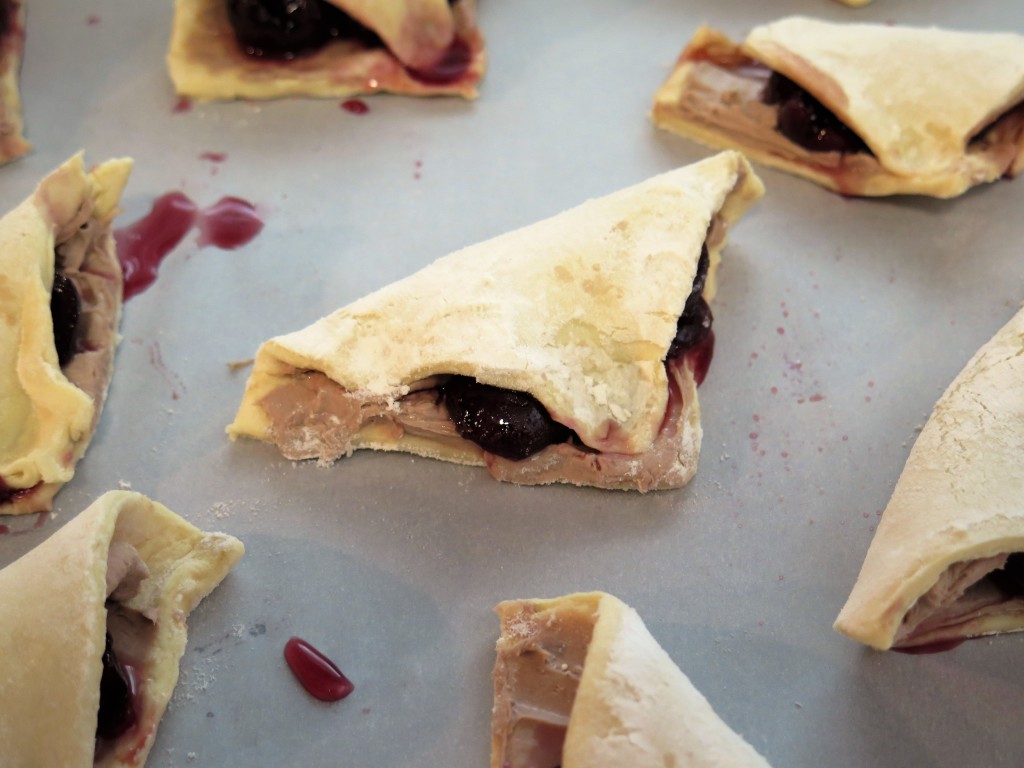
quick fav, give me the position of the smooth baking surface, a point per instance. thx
(839, 323)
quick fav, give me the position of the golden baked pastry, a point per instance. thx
(12, 43)
(60, 298)
(947, 561)
(566, 351)
(94, 625)
(862, 109)
(264, 49)
(579, 682)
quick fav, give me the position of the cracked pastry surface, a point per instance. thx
(579, 682)
(12, 43)
(579, 313)
(105, 598)
(350, 47)
(935, 112)
(60, 298)
(946, 561)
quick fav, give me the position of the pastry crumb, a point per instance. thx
(238, 365)
(124, 485)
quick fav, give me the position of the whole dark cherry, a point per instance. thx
(66, 311)
(278, 29)
(505, 422)
(806, 121)
(117, 697)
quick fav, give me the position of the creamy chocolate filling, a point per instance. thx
(966, 591)
(536, 676)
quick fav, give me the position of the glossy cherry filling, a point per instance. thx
(66, 312)
(318, 674)
(505, 422)
(806, 121)
(118, 711)
(285, 29)
(1010, 578)
(9, 495)
(515, 425)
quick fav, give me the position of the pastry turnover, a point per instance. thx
(94, 627)
(947, 560)
(566, 351)
(579, 682)
(862, 109)
(238, 49)
(60, 298)
(12, 43)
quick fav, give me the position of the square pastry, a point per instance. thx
(264, 49)
(567, 351)
(862, 109)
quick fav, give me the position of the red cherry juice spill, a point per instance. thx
(143, 245)
(214, 157)
(316, 672)
(939, 646)
(184, 104)
(355, 106)
(449, 69)
(229, 223)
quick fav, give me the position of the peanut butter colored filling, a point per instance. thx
(540, 659)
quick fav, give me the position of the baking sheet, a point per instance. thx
(839, 322)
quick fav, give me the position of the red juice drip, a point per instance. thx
(700, 356)
(214, 157)
(229, 223)
(184, 104)
(355, 106)
(939, 646)
(450, 68)
(143, 245)
(318, 674)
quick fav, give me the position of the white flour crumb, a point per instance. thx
(191, 756)
(220, 510)
(124, 485)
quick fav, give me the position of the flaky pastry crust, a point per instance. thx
(12, 42)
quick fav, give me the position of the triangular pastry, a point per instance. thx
(94, 625)
(579, 682)
(947, 561)
(566, 351)
(12, 43)
(60, 298)
(265, 49)
(862, 109)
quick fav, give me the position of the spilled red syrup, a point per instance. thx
(939, 646)
(700, 356)
(143, 245)
(451, 67)
(229, 223)
(318, 674)
(214, 157)
(355, 106)
(184, 104)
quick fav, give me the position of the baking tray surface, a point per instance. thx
(839, 322)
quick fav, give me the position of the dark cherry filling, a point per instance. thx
(1010, 578)
(806, 121)
(317, 673)
(450, 68)
(66, 311)
(515, 425)
(5, 17)
(505, 422)
(284, 29)
(9, 495)
(117, 712)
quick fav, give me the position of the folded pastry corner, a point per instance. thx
(94, 626)
(261, 49)
(566, 351)
(861, 109)
(579, 682)
(60, 298)
(947, 560)
(12, 43)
